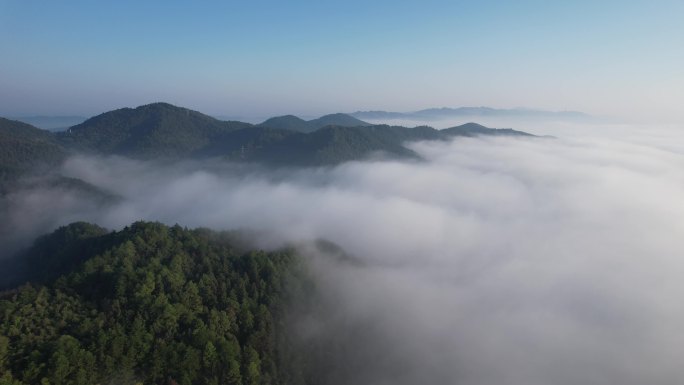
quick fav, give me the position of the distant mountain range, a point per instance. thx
(164, 131)
(446, 113)
(291, 122)
(51, 123)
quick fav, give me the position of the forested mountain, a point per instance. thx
(164, 131)
(149, 304)
(153, 130)
(23, 147)
(338, 119)
(286, 122)
(334, 144)
(155, 304)
(291, 122)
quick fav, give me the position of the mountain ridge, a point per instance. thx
(450, 112)
(133, 131)
(165, 131)
(292, 122)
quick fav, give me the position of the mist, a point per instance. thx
(495, 260)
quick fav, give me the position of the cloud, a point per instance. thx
(495, 261)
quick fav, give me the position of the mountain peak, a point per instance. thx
(158, 107)
(472, 125)
(337, 115)
(158, 129)
(294, 123)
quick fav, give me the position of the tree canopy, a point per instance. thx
(149, 304)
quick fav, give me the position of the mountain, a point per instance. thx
(339, 119)
(334, 144)
(148, 304)
(239, 145)
(330, 145)
(474, 129)
(153, 130)
(24, 147)
(446, 113)
(287, 122)
(291, 122)
(164, 131)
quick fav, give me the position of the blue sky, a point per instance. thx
(261, 58)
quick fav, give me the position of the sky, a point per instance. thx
(266, 58)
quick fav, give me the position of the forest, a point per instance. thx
(150, 304)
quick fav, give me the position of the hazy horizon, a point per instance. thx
(508, 118)
(267, 59)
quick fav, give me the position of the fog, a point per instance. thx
(514, 261)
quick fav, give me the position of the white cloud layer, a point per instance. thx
(496, 261)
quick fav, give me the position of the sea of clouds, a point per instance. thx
(496, 260)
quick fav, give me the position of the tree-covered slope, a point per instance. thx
(153, 130)
(242, 144)
(338, 119)
(474, 129)
(287, 122)
(335, 144)
(149, 304)
(332, 145)
(23, 147)
(293, 123)
(165, 131)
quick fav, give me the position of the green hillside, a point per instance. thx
(335, 144)
(164, 131)
(332, 145)
(149, 304)
(338, 119)
(153, 130)
(24, 147)
(287, 122)
(293, 123)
